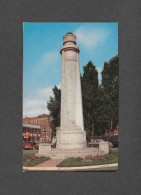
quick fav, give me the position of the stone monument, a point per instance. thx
(71, 136)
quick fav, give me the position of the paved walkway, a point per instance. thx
(106, 167)
(49, 163)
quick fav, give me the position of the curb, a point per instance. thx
(68, 168)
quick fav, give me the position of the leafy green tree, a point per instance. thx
(100, 102)
(110, 93)
(89, 85)
(54, 106)
(101, 111)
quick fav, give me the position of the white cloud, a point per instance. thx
(49, 58)
(34, 107)
(45, 92)
(99, 70)
(91, 37)
(47, 63)
(59, 86)
(99, 73)
(36, 103)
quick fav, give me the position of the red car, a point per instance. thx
(27, 145)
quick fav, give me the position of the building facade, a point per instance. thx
(44, 122)
(31, 133)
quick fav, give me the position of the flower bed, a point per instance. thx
(30, 160)
(110, 158)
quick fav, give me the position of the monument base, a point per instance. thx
(44, 149)
(56, 153)
(71, 137)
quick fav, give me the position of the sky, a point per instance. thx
(98, 42)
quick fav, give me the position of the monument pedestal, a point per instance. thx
(44, 149)
(104, 146)
(58, 153)
(71, 137)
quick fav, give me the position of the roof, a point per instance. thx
(36, 117)
(31, 126)
(43, 115)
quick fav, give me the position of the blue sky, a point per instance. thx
(98, 42)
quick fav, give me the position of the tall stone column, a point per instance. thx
(71, 134)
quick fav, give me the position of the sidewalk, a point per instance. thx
(43, 167)
(49, 163)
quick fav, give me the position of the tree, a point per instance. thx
(110, 93)
(100, 111)
(100, 102)
(54, 106)
(89, 83)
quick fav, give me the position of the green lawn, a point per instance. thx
(112, 157)
(29, 160)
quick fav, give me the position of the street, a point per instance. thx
(30, 151)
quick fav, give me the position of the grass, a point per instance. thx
(112, 157)
(29, 160)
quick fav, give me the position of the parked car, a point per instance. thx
(36, 147)
(27, 145)
(93, 143)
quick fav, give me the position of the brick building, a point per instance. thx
(31, 132)
(43, 121)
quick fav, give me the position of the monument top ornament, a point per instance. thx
(69, 37)
(69, 43)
